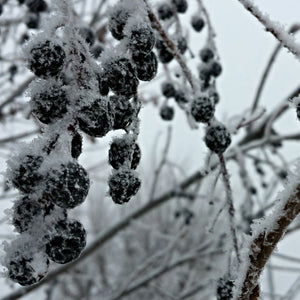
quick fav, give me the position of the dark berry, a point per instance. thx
(103, 84)
(96, 51)
(24, 38)
(95, 119)
(123, 185)
(202, 109)
(252, 190)
(141, 39)
(164, 55)
(283, 174)
(67, 242)
(50, 104)
(121, 76)
(181, 5)
(217, 138)
(32, 21)
(206, 54)
(47, 59)
(13, 70)
(168, 90)
(88, 35)
(182, 45)
(1, 9)
(165, 11)
(76, 145)
(215, 69)
(180, 97)
(26, 176)
(117, 22)
(123, 112)
(224, 289)
(36, 6)
(22, 269)
(124, 152)
(146, 68)
(197, 23)
(167, 113)
(67, 185)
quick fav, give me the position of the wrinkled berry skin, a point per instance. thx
(21, 269)
(224, 289)
(123, 185)
(76, 145)
(67, 243)
(202, 109)
(167, 113)
(122, 152)
(88, 35)
(117, 22)
(67, 186)
(206, 54)
(146, 66)
(197, 23)
(95, 119)
(168, 90)
(181, 5)
(47, 59)
(36, 6)
(50, 105)
(26, 177)
(217, 138)
(123, 112)
(121, 76)
(165, 11)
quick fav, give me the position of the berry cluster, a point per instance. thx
(166, 10)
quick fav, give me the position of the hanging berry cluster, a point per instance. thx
(74, 93)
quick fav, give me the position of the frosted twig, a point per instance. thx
(275, 29)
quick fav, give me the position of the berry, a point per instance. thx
(217, 138)
(167, 113)
(24, 38)
(121, 76)
(206, 54)
(165, 11)
(168, 90)
(202, 109)
(182, 45)
(197, 23)
(95, 119)
(224, 289)
(67, 242)
(123, 184)
(117, 22)
(26, 176)
(164, 55)
(146, 67)
(96, 51)
(123, 152)
(215, 69)
(36, 6)
(32, 21)
(88, 35)
(123, 112)
(141, 39)
(103, 84)
(13, 70)
(1, 9)
(22, 269)
(181, 5)
(47, 59)
(180, 97)
(67, 186)
(76, 145)
(50, 104)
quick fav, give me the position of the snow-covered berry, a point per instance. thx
(181, 5)
(123, 112)
(206, 54)
(36, 6)
(66, 185)
(95, 118)
(49, 104)
(66, 242)
(88, 35)
(202, 109)
(76, 145)
(47, 59)
(166, 112)
(164, 55)
(197, 23)
(168, 89)
(117, 21)
(165, 11)
(217, 138)
(124, 152)
(146, 66)
(123, 185)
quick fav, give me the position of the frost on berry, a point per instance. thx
(95, 118)
(67, 241)
(165, 11)
(146, 66)
(197, 23)
(123, 111)
(121, 76)
(168, 89)
(117, 21)
(46, 59)
(67, 185)
(123, 185)
(202, 109)
(123, 151)
(24, 172)
(76, 145)
(167, 113)
(102, 84)
(50, 103)
(217, 138)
